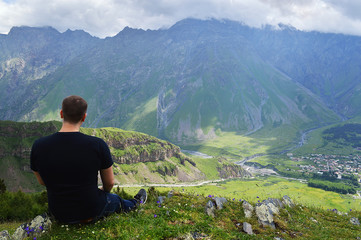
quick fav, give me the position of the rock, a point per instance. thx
(35, 228)
(266, 210)
(286, 200)
(248, 209)
(187, 236)
(170, 194)
(220, 201)
(247, 228)
(21, 232)
(4, 235)
(161, 199)
(274, 203)
(264, 215)
(355, 221)
(193, 236)
(210, 208)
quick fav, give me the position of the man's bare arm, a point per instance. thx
(107, 177)
(38, 177)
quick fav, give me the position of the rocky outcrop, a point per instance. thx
(266, 210)
(129, 147)
(232, 171)
(18, 137)
(248, 209)
(38, 226)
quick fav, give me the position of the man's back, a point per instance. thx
(68, 163)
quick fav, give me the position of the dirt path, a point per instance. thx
(184, 184)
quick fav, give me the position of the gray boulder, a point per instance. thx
(170, 194)
(4, 235)
(22, 232)
(248, 209)
(35, 228)
(286, 200)
(161, 199)
(247, 228)
(220, 201)
(275, 202)
(266, 210)
(210, 208)
(265, 214)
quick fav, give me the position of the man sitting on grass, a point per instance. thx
(68, 162)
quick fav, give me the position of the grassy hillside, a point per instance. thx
(139, 158)
(16, 140)
(183, 217)
(317, 143)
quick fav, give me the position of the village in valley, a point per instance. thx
(320, 163)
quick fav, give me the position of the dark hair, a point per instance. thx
(74, 108)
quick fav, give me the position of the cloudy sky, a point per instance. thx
(107, 17)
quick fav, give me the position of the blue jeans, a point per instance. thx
(114, 203)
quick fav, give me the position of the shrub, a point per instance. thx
(18, 206)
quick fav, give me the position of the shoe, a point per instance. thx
(141, 196)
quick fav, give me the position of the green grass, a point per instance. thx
(10, 226)
(237, 147)
(166, 171)
(280, 162)
(208, 166)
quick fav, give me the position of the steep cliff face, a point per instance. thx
(228, 170)
(129, 147)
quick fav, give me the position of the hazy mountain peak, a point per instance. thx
(26, 31)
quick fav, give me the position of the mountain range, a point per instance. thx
(186, 84)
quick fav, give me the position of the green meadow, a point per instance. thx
(258, 189)
(235, 146)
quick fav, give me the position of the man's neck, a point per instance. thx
(69, 127)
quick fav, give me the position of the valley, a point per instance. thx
(206, 107)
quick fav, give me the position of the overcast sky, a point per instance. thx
(103, 18)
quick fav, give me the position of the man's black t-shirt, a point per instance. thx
(68, 163)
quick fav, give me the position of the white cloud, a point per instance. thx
(108, 17)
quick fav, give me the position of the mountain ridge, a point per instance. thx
(198, 78)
